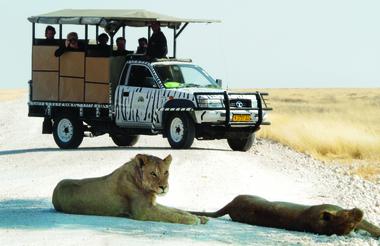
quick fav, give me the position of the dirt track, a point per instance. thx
(203, 178)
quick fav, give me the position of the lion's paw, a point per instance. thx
(203, 219)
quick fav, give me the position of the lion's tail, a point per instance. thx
(220, 212)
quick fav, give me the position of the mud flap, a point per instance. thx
(47, 126)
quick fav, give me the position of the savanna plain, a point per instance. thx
(333, 125)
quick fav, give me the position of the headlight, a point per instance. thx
(211, 101)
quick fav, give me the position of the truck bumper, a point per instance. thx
(210, 132)
(231, 120)
(219, 117)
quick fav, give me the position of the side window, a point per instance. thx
(190, 74)
(169, 73)
(140, 76)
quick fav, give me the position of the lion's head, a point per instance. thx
(152, 173)
(335, 220)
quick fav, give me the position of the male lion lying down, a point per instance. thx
(130, 191)
(321, 219)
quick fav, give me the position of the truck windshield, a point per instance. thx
(184, 75)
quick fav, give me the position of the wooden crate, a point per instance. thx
(71, 89)
(98, 69)
(45, 86)
(96, 93)
(71, 64)
(43, 58)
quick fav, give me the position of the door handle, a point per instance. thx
(125, 93)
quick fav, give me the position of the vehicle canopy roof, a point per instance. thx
(118, 17)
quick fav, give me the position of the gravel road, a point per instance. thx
(205, 177)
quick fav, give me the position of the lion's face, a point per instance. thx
(154, 173)
(335, 220)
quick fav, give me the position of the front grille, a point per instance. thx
(240, 103)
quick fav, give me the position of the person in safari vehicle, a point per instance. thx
(71, 44)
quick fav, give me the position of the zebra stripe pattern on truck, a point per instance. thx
(175, 109)
(146, 104)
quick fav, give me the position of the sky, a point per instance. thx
(258, 44)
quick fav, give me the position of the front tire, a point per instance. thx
(180, 131)
(241, 144)
(125, 140)
(68, 131)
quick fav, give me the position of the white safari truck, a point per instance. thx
(83, 93)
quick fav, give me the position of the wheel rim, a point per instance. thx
(177, 130)
(65, 130)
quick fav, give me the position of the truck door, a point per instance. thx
(135, 99)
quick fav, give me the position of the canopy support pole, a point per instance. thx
(33, 33)
(111, 45)
(86, 32)
(174, 42)
(124, 32)
(175, 36)
(60, 32)
(86, 36)
(149, 33)
(180, 30)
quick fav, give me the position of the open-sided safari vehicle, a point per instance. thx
(82, 94)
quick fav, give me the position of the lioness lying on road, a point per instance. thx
(130, 191)
(321, 219)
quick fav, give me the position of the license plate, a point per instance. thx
(241, 117)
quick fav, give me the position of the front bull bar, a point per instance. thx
(227, 106)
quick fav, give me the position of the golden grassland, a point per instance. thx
(11, 94)
(329, 124)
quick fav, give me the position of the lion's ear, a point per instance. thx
(141, 159)
(168, 159)
(327, 216)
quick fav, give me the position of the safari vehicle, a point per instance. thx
(82, 94)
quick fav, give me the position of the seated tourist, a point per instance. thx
(49, 37)
(102, 40)
(71, 44)
(143, 44)
(121, 51)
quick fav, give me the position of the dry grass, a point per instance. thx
(329, 124)
(369, 171)
(11, 94)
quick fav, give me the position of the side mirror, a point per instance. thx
(219, 82)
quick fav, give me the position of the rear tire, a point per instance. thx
(180, 131)
(125, 140)
(67, 131)
(241, 144)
